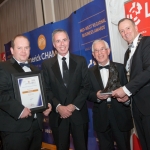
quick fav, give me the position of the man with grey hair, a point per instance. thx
(111, 119)
(67, 86)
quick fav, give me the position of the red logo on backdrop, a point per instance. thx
(3, 57)
(139, 12)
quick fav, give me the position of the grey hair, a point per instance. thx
(58, 30)
(99, 40)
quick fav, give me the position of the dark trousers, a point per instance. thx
(142, 124)
(28, 140)
(107, 138)
(1, 146)
(62, 135)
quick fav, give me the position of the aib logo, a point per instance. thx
(134, 11)
(137, 9)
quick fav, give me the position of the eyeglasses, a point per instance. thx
(100, 50)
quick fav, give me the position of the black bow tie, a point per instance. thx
(24, 64)
(106, 67)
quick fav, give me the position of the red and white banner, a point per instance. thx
(139, 11)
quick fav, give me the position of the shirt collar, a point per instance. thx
(60, 57)
(105, 64)
(26, 62)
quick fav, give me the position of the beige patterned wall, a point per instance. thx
(63, 8)
(16, 17)
(20, 16)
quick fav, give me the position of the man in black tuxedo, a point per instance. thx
(137, 62)
(67, 86)
(20, 129)
(112, 120)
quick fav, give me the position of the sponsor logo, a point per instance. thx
(41, 42)
(135, 9)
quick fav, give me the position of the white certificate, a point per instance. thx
(30, 92)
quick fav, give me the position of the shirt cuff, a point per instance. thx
(127, 103)
(20, 114)
(57, 107)
(76, 108)
(98, 100)
(126, 91)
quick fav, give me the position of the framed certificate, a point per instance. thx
(28, 89)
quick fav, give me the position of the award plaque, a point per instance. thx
(28, 89)
(106, 93)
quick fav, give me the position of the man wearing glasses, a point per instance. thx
(111, 119)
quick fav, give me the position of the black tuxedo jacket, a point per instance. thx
(11, 108)
(100, 117)
(139, 84)
(76, 93)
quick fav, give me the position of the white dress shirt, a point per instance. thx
(59, 57)
(133, 49)
(105, 75)
(26, 69)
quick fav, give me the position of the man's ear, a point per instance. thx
(136, 28)
(108, 51)
(12, 50)
(54, 45)
(93, 54)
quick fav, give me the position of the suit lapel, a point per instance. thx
(16, 65)
(139, 39)
(98, 77)
(126, 56)
(32, 68)
(56, 70)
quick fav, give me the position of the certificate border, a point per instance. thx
(16, 76)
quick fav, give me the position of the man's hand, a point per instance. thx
(118, 93)
(47, 111)
(26, 113)
(101, 96)
(71, 108)
(63, 111)
(123, 99)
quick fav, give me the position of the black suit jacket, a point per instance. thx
(100, 117)
(139, 84)
(75, 94)
(11, 108)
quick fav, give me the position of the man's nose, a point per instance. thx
(62, 43)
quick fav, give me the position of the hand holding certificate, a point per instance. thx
(29, 90)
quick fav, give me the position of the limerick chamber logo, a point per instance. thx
(41, 42)
(134, 11)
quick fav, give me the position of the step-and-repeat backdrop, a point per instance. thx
(83, 26)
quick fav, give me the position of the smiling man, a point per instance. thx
(67, 86)
(111, 119)
(20, 128)
(137, 62)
